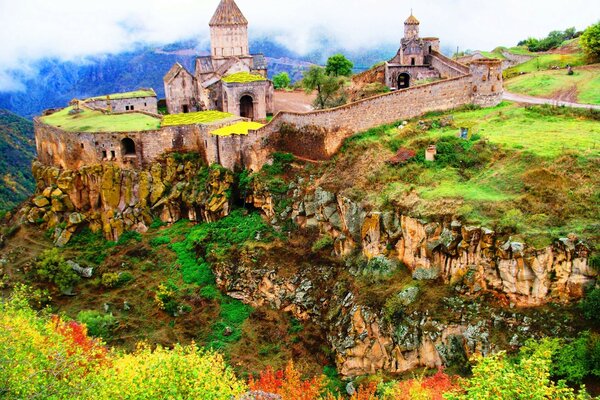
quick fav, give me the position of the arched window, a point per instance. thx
(127, 147)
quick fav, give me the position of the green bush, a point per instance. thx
(159, 241)
(98, 324)
(590, 41)
(209, 292)
(322, 243)
(571, 361)
(128, 236)
(110, 279)
(528, 377)
(512, 220)
(281, 80)
(52, 267)
(590, 306)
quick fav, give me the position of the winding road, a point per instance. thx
(521, 98)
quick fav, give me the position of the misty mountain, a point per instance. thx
(18, 150)
(57, 82)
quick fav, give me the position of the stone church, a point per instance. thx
(230, 79)
(414, 58)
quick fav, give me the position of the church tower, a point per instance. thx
(411, 28)
(229, 31)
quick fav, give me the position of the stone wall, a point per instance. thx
(333, 126)
(448, 68)
(147, 104)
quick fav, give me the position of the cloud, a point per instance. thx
(72, 29)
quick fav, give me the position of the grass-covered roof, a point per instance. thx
(127, 95)
(95, 121)
(200, 117)
(243, 77)
(240, 128)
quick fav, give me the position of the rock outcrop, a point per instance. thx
(113, 200)
(481, 258)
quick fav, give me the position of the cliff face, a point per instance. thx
(475, 261)
(395, 331)
(482, 258)
(114, 200)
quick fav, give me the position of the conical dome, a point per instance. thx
(228, 13)
(412, 20)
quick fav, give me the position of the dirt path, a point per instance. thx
(296, 101)
(521, 98)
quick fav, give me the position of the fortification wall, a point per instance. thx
(73, 150)
(319, 134)
(448, 68)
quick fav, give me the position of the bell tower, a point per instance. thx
(228, 31)
(411, 27)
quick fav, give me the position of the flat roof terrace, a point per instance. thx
(86, 120)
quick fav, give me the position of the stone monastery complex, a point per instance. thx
(220, 110)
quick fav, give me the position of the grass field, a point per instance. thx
(585, 82)
(95, 121)
(547, 61)
(240, 128)
(201, 117)
(527, 130)
(525, 169)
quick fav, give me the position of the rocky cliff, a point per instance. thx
(392, 292)
(113, 200)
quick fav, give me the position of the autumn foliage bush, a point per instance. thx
(287, 383)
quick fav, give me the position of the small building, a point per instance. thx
(230, 79)
(138, 100)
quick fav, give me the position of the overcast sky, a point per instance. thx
(74, 29)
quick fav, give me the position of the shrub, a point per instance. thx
(498, 377)
(209, 292)
(98, 324)
(512, 220)
(287, 383)
(110, 279)
(181, 373)
(590, 306)
(43, 357)
(590, 41)
(281, 80)
(128, 236)
(322, 243)
(52, 267)
(571, 360)
(159, 241)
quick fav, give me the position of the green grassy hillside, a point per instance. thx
(583, 86)
(525, 170)
(18, 150)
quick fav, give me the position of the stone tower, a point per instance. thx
(229, 31)
(411, 27)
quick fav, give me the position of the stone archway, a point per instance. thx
(403, 80)
(128, 147)
(247, 107)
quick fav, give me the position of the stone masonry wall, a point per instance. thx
(148, 104)
(353, 118)
(73, 150)
(448, 68)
